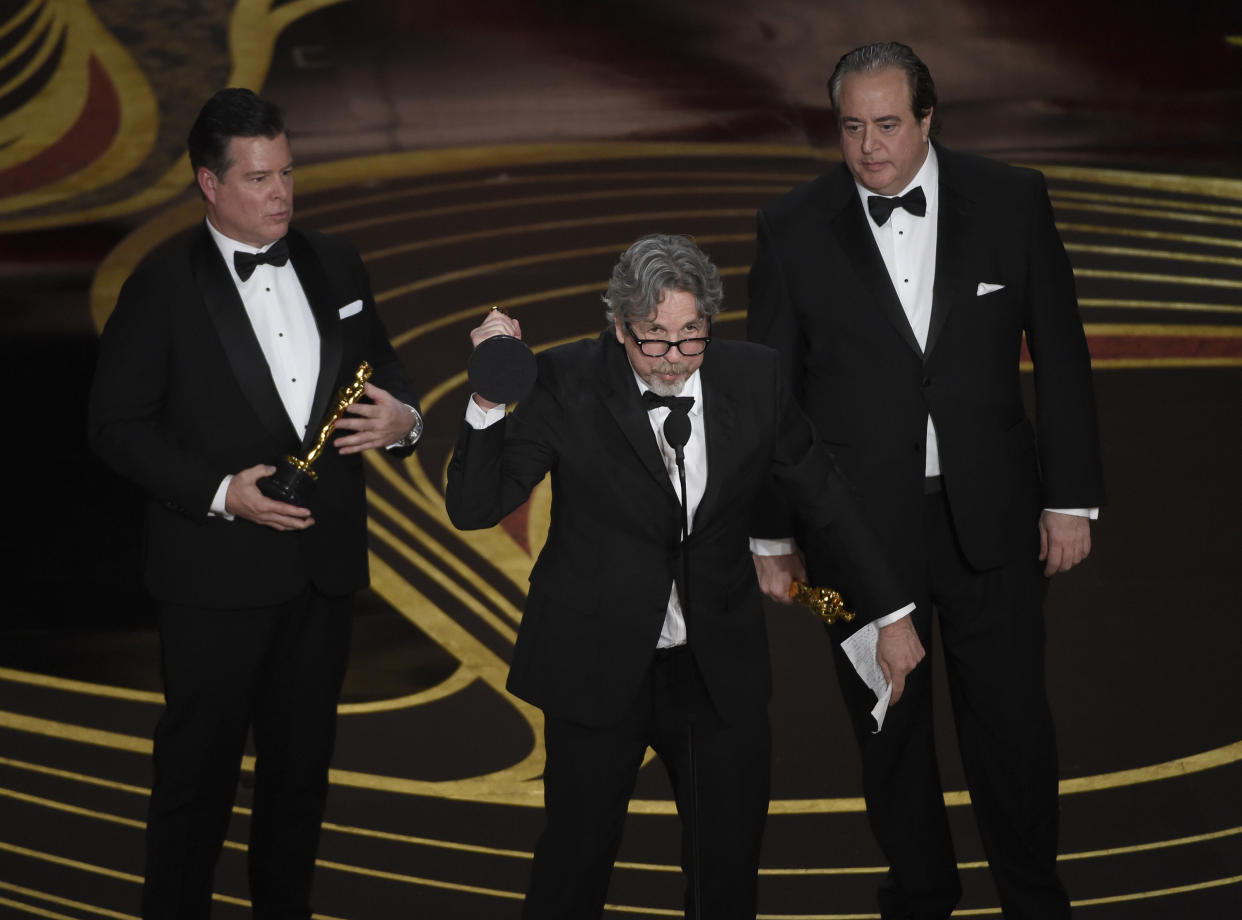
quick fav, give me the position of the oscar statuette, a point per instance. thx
(823, 602)
(294, 480)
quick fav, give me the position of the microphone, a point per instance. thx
(677, 433)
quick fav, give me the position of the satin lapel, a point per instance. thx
(324, 307)
(857, 242)
(720, 420)
(952, 230)
(620, 395)
(237, 336)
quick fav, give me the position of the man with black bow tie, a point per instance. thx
(643, 625)
(902, 321)
(224, 353)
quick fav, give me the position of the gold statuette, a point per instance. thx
(825, 603)
(294, 480)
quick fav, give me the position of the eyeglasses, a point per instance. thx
(658, 348)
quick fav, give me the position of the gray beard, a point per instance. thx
(663, 388)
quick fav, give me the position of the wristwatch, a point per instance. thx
(415, 432)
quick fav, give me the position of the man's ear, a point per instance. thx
(207, 183)
(619, 329)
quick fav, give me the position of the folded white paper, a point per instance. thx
(987, 288)
(351, 308)
(860, 650)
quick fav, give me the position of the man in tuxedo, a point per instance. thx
(899, 286)
(224, 353)
(643, 624)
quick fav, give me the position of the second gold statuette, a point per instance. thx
(823, 602)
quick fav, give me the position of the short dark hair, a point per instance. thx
(228, 114)
(656, 265)
(881, 56)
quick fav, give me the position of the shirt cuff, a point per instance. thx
(894, 616)
(217, 503)
(1092, 513)
(478, 418)
(783, 546)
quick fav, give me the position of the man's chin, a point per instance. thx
(662, 387)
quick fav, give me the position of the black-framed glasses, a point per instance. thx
(658, 348)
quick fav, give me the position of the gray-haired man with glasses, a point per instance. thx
(644, 625)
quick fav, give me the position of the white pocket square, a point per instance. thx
(356, 307)
(986, 288)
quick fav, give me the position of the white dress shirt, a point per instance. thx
(283, 322)
(694, 453)
(908, 247)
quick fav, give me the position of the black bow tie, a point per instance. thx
(652, 400)
(913, 201)
(244, 262)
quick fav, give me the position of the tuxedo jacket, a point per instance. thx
(820, 294)
(600, 587)
(183, 396)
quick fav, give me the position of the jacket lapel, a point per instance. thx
(240, 344)
(620, 396)
(324, 307)
(720, 420)
(849, 223)
(952, 229)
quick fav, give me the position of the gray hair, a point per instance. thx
(655, 265)
(882, 56)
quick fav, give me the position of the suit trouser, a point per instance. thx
(590, 776)
(992, 630)
(276, 670)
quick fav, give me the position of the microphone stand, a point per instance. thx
(677, 433)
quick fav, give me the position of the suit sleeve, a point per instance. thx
(770, 321)
(493, 470)
(389, 371)
(770, 316)
(1067, 426)
(808, 478)
(127, 417)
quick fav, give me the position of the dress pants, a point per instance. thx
(277, 670)
(590, 776)
(992, 630)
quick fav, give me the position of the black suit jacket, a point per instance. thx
(600, 588)
(183, 397)
(820, 294)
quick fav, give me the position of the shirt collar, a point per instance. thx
(227, 245)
